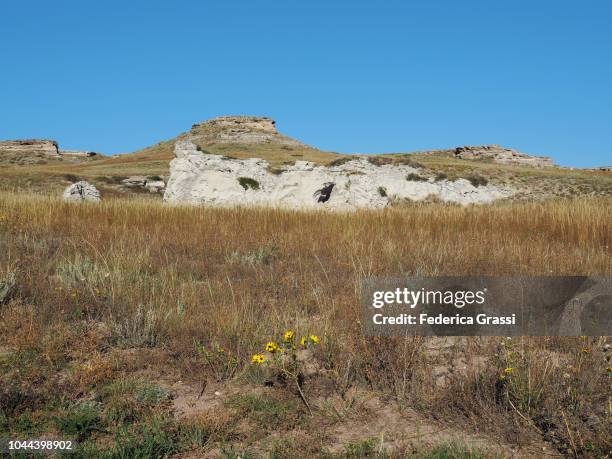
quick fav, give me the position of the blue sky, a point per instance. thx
(348, 76)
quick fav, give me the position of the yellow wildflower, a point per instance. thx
(303, 341)
(272, 347)
(585, 350)
(508, 370)
(288, 336)
(314, 339)
(258, 359)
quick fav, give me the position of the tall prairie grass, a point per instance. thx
(184, 278)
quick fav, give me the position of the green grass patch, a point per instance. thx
(268, 412)
(247, 182)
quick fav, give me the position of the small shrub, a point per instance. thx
(379, 160)
(409, 162)
(477, 180)
(275, 170)
(441, 176)
(7, 286)
(456, 451)
(79, 271)
(139, 330)
(266, 410)
(71, 178)
(339, 161)
(151, 394)
(412, 177)
(382, 191)
(247, 182)
(78, 421)
(365, 448)
(222, 363)
(155, 439)
(201, 150)
(260, 256)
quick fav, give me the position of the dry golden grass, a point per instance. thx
(186, 281)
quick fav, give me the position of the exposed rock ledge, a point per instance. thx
(502, 155)
(214, 180)
(32, 147)
(242, 130)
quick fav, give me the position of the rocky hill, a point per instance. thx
(240, 137)
(37, 151)
(254, 138)
(28, 151)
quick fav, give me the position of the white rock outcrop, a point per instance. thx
(206, 179)
(80, 192)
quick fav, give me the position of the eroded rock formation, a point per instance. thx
(38, 151)
(240, 130)
(502, 155)
(80, 192)
(207, 179)
(28, 151)
(78, 153)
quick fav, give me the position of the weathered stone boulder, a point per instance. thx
(215, 180)
(502, 155)
(80, 192)
(155, 186)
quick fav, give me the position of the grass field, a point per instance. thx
(130, 326)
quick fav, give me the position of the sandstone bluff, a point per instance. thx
(215, 180)
(502, 155)
(37, 151)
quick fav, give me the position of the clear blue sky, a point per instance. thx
(348, 76)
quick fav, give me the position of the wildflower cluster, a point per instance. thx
(286, 347)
